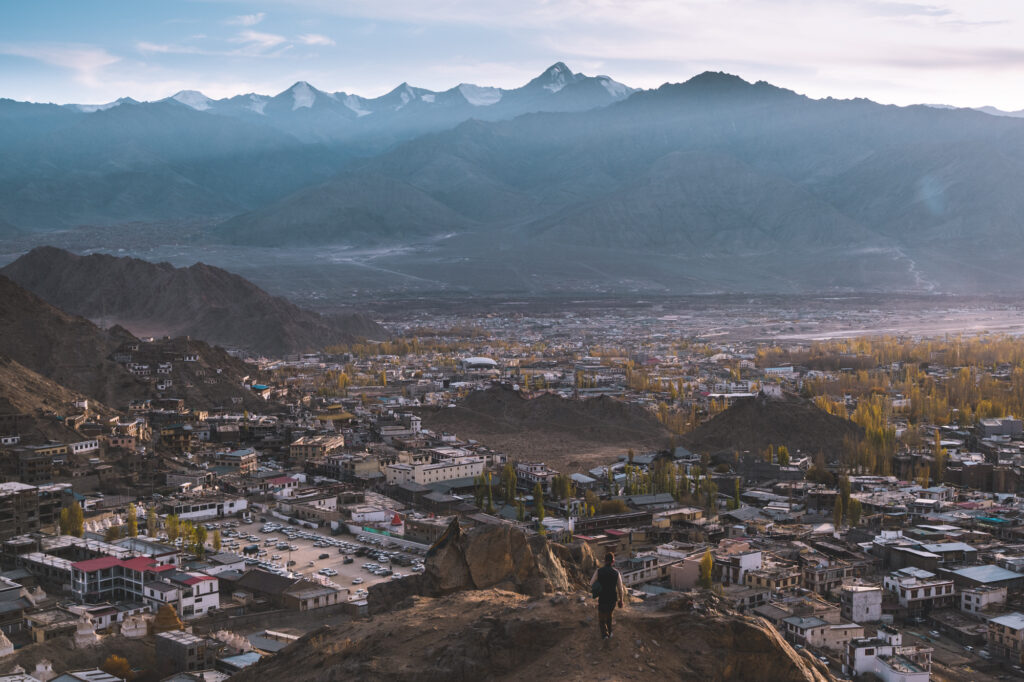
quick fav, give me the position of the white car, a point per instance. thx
(357, 581)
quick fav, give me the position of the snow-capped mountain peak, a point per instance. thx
(193, 98)
(614, 88)
(92, 108)
(303, 95)
(356, 104)
(555, 77)
(480, 96)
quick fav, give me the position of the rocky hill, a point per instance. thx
(569, 433)
(755, 423)
(158, 299)
(482, 628)
(74, 353)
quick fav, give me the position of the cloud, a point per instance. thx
(246, 19)
(85, 60)
(259, 41)
(315, 39)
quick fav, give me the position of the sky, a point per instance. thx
(958, 52)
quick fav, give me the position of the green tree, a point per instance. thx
(509, 480)
(520, 511)
(216, 541)
(113, 533)
(837, 512)
(538, 502)
(199, 536)
(736, 495)
(152, 522)
(853, 515)
(706, 564)
(783, 456)
(72, 520)
(844, 490)
(490, 495)
(133, 521)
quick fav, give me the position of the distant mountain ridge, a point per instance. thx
(189, 157)
(204, 302)
(75, 353)
(742, 185)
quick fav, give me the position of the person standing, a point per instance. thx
(607, 586)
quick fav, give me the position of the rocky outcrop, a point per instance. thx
(500, 556)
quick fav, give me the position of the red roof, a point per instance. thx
(280, 480)
(197, 579)
(139, 563)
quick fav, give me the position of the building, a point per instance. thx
(315, 447)
(974, 600)
(205, 507)
(182, 652)
(861, 603)
(885, 657)
(529, 474)
(244, 461)
(27, 508)
(778, 579)
(425, 473)
(1006, 637)
(816, 633)
(918, 591)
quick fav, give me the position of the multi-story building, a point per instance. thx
(529, 474)
(315, 447)
(887, 658)
(182, 652)
(974, 600)
(776, 579)
(861, 603)
(425, 473)
(1006, 637)
(919, 591)
(27, 508)
(244, 461)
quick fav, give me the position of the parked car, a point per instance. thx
(324, 556)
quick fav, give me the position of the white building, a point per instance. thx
(887, 658)
(434, 472)
(975, 599)
(861, 603)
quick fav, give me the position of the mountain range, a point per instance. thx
(569, 183)
(204, 302)
(188, 157)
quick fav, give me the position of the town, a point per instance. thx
(860, 495)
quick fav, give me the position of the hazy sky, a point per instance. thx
(962, 52)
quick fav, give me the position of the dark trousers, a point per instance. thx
(604, 621)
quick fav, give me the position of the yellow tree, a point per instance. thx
(706, 564)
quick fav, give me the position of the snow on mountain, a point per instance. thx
(355, 103)
(479, 96)
(91, 108)
(194, 99)
(257, 103)
(303, 95)
(429, 97)
(558, 76)
(614, 88)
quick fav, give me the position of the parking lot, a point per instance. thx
(313, 554)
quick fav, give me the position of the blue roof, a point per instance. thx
(242, 660)
(988, 574)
